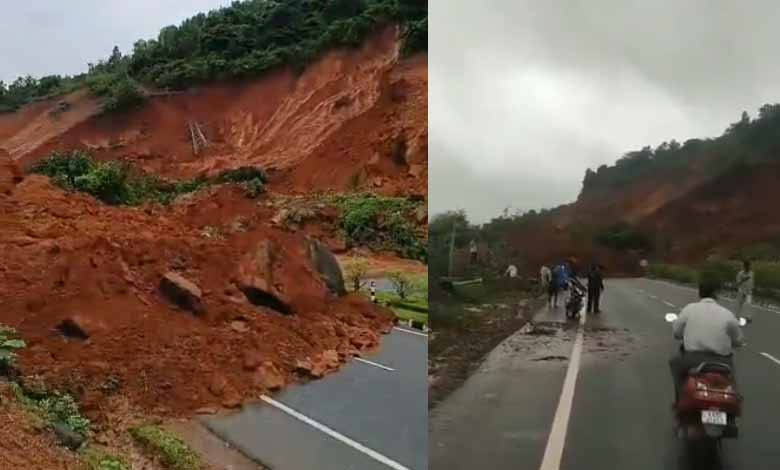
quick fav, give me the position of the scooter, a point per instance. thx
(709, 404)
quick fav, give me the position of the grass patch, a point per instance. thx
(115, 183)
(414, 306)
(681, 274)
(767, 274)
(54, 408)
(95, 459)
(174, 453)
(382, 223)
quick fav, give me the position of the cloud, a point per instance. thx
(41, 38)
(525, 95)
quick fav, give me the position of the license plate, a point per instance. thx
(713, 417)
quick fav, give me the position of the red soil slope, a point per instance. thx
(355, 117)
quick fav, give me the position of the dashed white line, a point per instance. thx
(375, 364)
(410, 332)
(557, 438)
(652, 296)
(668, 304)
(771, 357)
(334, 434)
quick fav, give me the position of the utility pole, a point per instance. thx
(452, 249)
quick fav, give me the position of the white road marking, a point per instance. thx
(334, 434)
(410, 332)
(375, 364)
(652, 296)
(672, 284)
(557, 438)
(771, 357)
(668, 304)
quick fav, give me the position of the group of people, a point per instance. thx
(565, 276)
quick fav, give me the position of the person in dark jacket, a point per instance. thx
(595, 286)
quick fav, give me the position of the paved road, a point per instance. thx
(620, 415)
(381, 413)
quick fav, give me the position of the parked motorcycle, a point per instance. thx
(575, 302)
(709, 404)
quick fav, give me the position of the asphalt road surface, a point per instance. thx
(365, 417)
(515, 412)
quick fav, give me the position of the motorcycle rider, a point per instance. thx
(709, 333)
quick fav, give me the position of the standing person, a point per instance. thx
(595, 287)
(511, 271)
(745, 282)
(556, 281)
(545, 279)
(473, 252)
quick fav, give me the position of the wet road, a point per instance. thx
(620, 413)
(368, 416)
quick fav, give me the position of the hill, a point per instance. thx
(673, 203)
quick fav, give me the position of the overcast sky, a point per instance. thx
(41, 37)
(525, 95)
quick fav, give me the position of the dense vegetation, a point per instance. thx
(767, 274)
(239, 41)
(622, 237)
(745, 143)
(116, 183)
(383, 223)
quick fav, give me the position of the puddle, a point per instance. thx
(550, 358)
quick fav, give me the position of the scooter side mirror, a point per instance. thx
(742, 321)
(670, 317)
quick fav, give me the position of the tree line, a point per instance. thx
(242, 40)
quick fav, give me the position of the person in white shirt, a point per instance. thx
(745, 283)
(511, 271)
(473, 252)
(709, 332)
(545, 277)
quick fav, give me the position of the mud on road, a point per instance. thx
(457, 348)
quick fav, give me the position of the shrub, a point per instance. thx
(356, 270)
(402, 284)
(173, 452)
(242, 174)
(623, 237)
(9, 344)
(111, 182)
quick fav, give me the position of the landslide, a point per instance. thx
(692, 200)
(82, 281)
(354, 119)
(65, 256)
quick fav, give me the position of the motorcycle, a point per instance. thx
(575, 301)
(709, 404)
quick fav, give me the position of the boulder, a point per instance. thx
(79, 327)
(68, 437)
(326, 264)
(182, 292)
(10, 174)
(256, 279)
(268, 377)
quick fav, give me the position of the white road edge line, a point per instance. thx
(334, 434)
(553, 453)
(771, 357)
(375, 364)
(410, 331)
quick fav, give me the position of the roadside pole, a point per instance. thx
(452, 250)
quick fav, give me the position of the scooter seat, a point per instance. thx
(711, 367)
